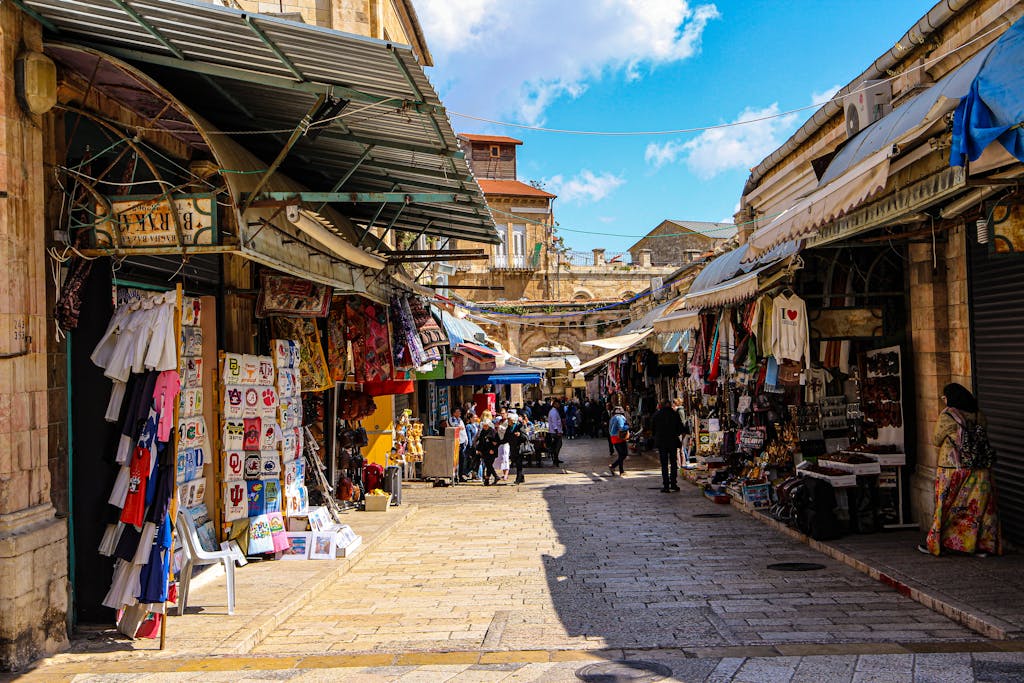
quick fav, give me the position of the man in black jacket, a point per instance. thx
(668, 428)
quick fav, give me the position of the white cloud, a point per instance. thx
(722, 149)
(500, 59)
(585, 187)
(667, 153)
(607, 219)
(729, 147)
(824, 96)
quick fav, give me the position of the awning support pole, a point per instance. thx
(251, 23)
(348, 174)
(398, 214)
(149, 28)
(299, 131)
(373, 222)
(44, 22)
(269, 198)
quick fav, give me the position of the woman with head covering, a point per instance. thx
(965, 519)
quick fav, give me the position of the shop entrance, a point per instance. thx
(997, 328)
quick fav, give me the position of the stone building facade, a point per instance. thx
(675, 242)
(913, 205)
(530, 272)
(33, 538)
(390, 20)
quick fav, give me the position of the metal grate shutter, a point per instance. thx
(997, 327)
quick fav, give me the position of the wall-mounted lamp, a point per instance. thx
(35, 82)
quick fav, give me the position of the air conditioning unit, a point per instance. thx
(446, 269)
(869, 101)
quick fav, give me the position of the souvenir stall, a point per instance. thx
(794, 387)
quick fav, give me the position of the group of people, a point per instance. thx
(490, 444)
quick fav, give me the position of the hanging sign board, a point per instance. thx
(147, 221)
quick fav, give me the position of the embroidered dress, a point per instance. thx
(965, 518)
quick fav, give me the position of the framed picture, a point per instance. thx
(300, 544)
(322, 546)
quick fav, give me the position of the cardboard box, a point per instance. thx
(377, 503)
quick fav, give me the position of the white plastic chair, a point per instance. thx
(197, 556)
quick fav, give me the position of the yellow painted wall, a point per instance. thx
(383, 420)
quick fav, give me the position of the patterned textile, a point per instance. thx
(405, 340)
(292, 296)
(431, 335)
(313, 371)
(965, 513)
(336, 343)
(366, 326)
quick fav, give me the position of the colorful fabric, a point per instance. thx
(336, 343)
(313, 370)
(292, 296)
(408, 348)
(431, 335)
(366, 326)
(965, 517)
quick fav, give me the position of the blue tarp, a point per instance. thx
(993, 109)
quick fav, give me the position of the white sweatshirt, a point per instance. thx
(790, 335)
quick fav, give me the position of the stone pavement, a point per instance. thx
(575, 567)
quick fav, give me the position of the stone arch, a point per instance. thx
(582, 295)
(628, 294)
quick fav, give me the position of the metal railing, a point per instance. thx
(586, 258)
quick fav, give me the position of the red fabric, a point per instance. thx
(373, 476)
(135, 502)
(389, 388)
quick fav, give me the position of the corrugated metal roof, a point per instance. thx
(731, 264)
(215, 60)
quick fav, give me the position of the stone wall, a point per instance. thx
(940, 347)
(33, 542)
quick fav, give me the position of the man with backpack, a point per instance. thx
(618, 433)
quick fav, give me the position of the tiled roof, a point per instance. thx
(489, 138)
(513, 188)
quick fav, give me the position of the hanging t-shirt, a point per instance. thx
(140, 467)
(165, 393)
(790, 335)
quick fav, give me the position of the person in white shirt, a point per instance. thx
(456, 422)
(555, 431)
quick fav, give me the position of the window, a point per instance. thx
(501, 251)
(495, 151)
(518, 246)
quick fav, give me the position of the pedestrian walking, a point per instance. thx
(668, 429)
(487, 448)
(571, 419)
(618, 434)
(965, 519)
(504, 461)
(516, 436)
(455, 422)
(555, 430)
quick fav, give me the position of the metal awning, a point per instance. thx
(476, 351)
(861, 167)
(619, 341)
(595, 364)
(507, 374)
(388, 158)
(461, 331)
(678, 321)
(646, 321)
(729, 279)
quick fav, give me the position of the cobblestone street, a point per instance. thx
(533, 582)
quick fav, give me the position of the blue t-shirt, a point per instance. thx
(618, 424)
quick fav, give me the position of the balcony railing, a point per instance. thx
(513, 262)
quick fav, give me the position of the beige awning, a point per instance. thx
(824, 204)
(596, 363)
(621, 341)
(679, 321)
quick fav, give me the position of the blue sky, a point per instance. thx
(643, 65)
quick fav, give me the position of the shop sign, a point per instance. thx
(147, 221)
(846, 323)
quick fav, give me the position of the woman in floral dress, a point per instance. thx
(965, 519)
